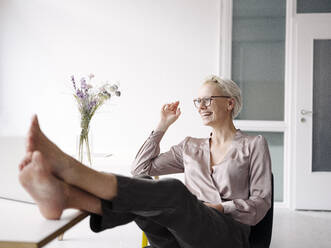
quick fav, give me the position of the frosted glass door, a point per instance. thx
(258, 57)
(313, 6)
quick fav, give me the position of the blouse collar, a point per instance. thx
(237, 135)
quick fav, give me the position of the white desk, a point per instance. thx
(22, 226)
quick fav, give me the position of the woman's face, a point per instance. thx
(219, 109)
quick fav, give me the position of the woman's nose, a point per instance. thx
(202, 106)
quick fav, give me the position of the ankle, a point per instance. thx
(106, 186)
(65, 170)
(113, 186)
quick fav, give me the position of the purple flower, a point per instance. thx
(73, 81)
(80, 93)
(89, 99)
(92, 104)
(83, 83)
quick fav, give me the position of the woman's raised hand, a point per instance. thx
(169, 114)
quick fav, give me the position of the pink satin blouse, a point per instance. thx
(241, 182)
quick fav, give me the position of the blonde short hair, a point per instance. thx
(230, 88)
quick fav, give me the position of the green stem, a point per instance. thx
(85, 121)
(80, 148)
(88, 150)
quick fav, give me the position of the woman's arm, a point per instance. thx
(250, 211)
(149, 160)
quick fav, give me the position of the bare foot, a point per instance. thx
(37, 141)
(67, 168)
(49, 192)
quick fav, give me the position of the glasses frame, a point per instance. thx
(197, 105)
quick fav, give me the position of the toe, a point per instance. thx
(32, 134)
(37, 158)
(29, 142)
(40, 163)
(35, 122)
(26, 160)
(25, 178)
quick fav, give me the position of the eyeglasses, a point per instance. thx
(206, 101)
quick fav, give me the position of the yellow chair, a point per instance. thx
(145, 241)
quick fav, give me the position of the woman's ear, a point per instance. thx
(231, 104)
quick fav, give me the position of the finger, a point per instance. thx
(163, 107)
(174, 105)
(171, 107)
(178, 112)
(166, 107)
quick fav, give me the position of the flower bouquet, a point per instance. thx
(90, 99)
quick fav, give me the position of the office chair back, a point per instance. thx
(260, 236)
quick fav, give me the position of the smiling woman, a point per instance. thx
(227, 180)
(225, 171)
(230, 89)
(218, 103)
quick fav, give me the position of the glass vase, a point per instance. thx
(84, 145)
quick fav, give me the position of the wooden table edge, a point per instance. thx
(15, 244)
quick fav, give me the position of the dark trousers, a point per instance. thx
(170, 215)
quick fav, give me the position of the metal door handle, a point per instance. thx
(305, 112)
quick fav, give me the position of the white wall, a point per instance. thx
(159, 51)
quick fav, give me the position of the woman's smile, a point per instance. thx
(206, 114)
